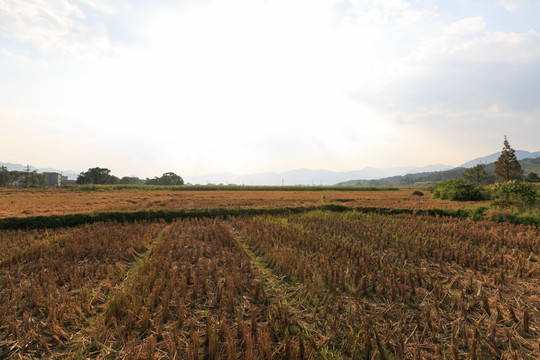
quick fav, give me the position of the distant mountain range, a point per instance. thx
(520, 154)
(366, 176)
(293, 177)
(307, 176)
(530, 162)
(386, 176)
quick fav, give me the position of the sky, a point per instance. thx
(246, 86)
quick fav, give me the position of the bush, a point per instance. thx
(532, 177)
(515, 193)
(458, 190)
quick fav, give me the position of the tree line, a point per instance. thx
(511, 190)
(506, 168)
(94, 176)
(100, 176)
(21, 178)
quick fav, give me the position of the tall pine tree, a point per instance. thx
(507, 166)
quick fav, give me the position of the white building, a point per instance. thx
(53, 179)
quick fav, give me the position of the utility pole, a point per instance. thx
(3, 175)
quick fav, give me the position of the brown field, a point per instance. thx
(22, 202)
(319, 285)
(316, 285)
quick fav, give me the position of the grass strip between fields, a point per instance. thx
(71, 220)
(284, 292)
(78, 345)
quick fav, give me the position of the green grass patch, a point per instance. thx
(71, 220)
(528, 217)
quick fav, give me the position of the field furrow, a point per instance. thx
(283, 290)
(83, 342)
(196, 296)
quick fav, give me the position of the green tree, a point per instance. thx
(507, 166)
(4, 176)
(477, 175)
(532, 177)
(457, 190)
(16, 178)
(96, 176)
(169, 178)
(131, 180)
(36, 180)
(515, 193)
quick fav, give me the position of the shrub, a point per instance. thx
(532, 177)
(458, 190)
(515, 193)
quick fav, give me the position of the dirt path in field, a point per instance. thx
(142, 258)
(299, 300)
(83, 343)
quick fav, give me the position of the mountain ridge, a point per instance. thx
(303, 176)
(427, 178)
(520, 155)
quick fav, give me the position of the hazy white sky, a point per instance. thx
(194, 87)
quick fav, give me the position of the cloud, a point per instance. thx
(13, 55)
(455, 80)
(467, 26)
(511, 5)
(102, 6)
(471, 70)
(253, 85)
(56, 27)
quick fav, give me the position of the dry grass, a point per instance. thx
(22, 202)
(409, 287)
(305, 286)
(197, 296)
(53, 282)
